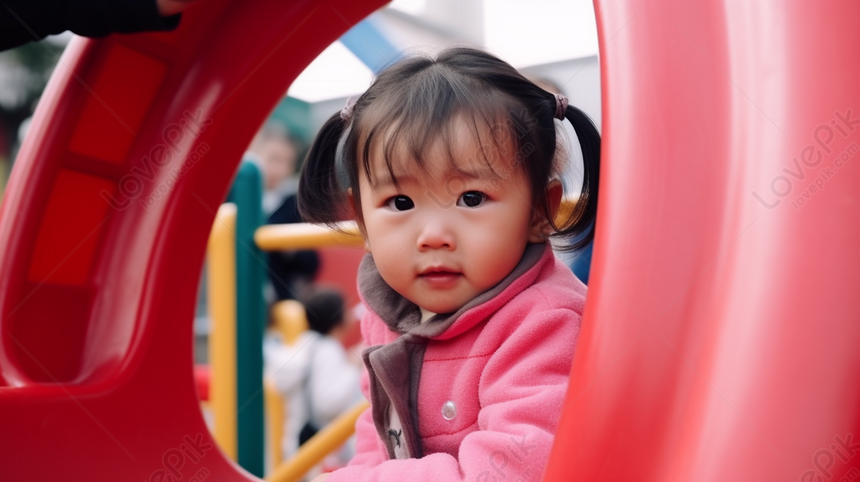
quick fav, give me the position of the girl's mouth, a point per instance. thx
(440, 277)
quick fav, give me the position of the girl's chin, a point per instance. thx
(436, 305)
(437, 299)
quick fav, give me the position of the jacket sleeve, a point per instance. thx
(23, 21)
(521, 393)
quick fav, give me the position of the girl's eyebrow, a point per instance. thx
(472, 174)
(476, 174)
(386, 180)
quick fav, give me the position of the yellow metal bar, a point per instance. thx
(320, 445)
(276, 418)
(221, 283)
(275, 237)
(291, 321)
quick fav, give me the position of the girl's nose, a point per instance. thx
(436, 234)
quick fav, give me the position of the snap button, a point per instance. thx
(449, 410)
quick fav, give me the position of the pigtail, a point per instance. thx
(579, 225)
(321, 197)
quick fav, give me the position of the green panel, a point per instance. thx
(247, 194)
(294, 114)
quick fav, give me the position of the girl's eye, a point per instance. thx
(401, 203)
(471, 199)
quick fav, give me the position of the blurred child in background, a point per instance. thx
(315, 374)
(277, 152)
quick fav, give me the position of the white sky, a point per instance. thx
(521, 32)
(539, 31)
(335, 73)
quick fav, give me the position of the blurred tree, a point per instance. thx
(24, 72)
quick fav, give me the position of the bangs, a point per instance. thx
(437, 111)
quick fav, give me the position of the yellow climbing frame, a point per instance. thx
(221, 296)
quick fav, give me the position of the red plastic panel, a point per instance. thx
(337, 269)
(51, 321)
(721, 329)
(120, 98)
(118, 333)
(70, 230)
(48, 332)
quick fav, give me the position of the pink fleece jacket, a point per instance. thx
(492, 384)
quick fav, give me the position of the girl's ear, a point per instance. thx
(540, 228)
(354, 214)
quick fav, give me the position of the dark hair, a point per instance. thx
(409, 107)
(324, 310)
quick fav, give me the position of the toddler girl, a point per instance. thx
(450, 166)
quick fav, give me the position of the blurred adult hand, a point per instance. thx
(171, 7)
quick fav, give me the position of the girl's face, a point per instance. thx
(448, 234)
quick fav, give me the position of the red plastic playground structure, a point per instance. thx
(721, 330)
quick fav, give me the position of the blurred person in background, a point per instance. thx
(277, 153)
(316, 376)
(23, 21)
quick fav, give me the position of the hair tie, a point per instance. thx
(560, 106)
(346, 112)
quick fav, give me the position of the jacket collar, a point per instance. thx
(404, 317)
